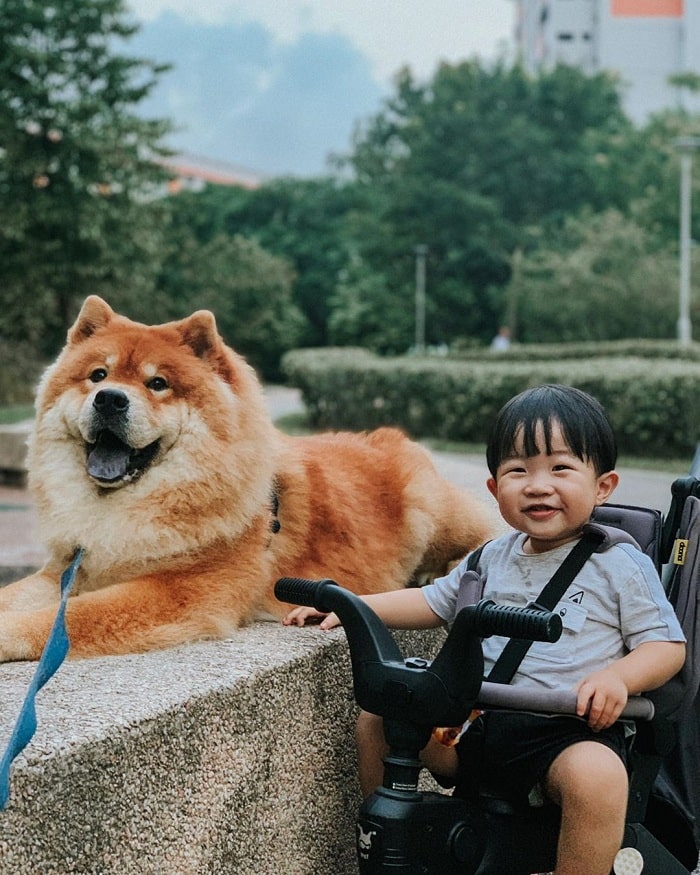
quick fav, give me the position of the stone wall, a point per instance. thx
(220, 757)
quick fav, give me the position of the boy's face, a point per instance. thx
(549, 497)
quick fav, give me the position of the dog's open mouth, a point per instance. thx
(112, 462)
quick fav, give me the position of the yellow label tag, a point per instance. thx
(680, 550)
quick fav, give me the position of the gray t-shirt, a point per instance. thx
(615, 603)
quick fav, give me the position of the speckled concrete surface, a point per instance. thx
(219, 757)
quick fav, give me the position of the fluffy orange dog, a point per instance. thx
(153, 450)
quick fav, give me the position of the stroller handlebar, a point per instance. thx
(441, 692)
(532, 624)
(444, 691)
(548, 701)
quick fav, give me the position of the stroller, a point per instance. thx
(402, 829)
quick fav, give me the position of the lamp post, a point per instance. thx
(421, 253)
(685, 146)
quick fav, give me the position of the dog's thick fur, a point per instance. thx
(153, 450)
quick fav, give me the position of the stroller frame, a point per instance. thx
(402, 829)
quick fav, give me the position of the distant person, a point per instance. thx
(502, 340)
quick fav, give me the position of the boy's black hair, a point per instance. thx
(584, 424)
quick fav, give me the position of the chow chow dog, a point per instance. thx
(153, 450)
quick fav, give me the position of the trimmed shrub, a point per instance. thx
(652, 402)
(643, 348)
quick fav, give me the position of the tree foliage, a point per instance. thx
(606, 280)
(82, 195)
(471, 163)
(538, 200)
(248, 289)
(305, 221)
(77, 171)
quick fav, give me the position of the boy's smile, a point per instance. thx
(549, 496)
(540, 511)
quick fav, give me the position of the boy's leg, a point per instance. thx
(589, 782)
(372, 748)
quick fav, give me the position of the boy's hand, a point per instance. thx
(299, 616)
(602, 696)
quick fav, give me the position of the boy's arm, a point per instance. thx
(604, 693)
(399, 609)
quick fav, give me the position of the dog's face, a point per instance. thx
(123, 429)
(125, 393)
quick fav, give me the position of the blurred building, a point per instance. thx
(193, 172)
(643, 41)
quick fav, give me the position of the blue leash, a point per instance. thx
(53, 655)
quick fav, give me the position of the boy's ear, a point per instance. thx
(607, 483)
(492, 487)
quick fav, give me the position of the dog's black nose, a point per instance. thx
(111, 402)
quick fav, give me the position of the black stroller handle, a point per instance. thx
(486, 618)
(532, 624)
(456, 665)
(363, 627)
(440, 693)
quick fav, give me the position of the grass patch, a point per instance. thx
(443, 446)
(676, 467)
(16, 413)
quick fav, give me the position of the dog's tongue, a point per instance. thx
(108, 460)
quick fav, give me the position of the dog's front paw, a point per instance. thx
(15, 643)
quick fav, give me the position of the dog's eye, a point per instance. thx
(157, 384)
(98, 375)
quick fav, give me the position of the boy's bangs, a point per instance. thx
(584, 426)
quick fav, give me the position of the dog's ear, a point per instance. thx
(94, 314)
(199, 332)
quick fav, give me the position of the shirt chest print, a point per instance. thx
(573, 614)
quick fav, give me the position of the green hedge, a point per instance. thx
(653, 403)
(664, 349)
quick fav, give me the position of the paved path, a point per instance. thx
(20, 547)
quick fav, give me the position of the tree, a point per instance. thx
(468, 163)
(603, 278)
(303, 220)
(655, 174)
(248, 289)
(78, 212)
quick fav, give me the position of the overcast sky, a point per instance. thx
(390, 33)
(278, 85)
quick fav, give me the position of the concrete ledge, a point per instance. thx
(220, 757)
(13, 452)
